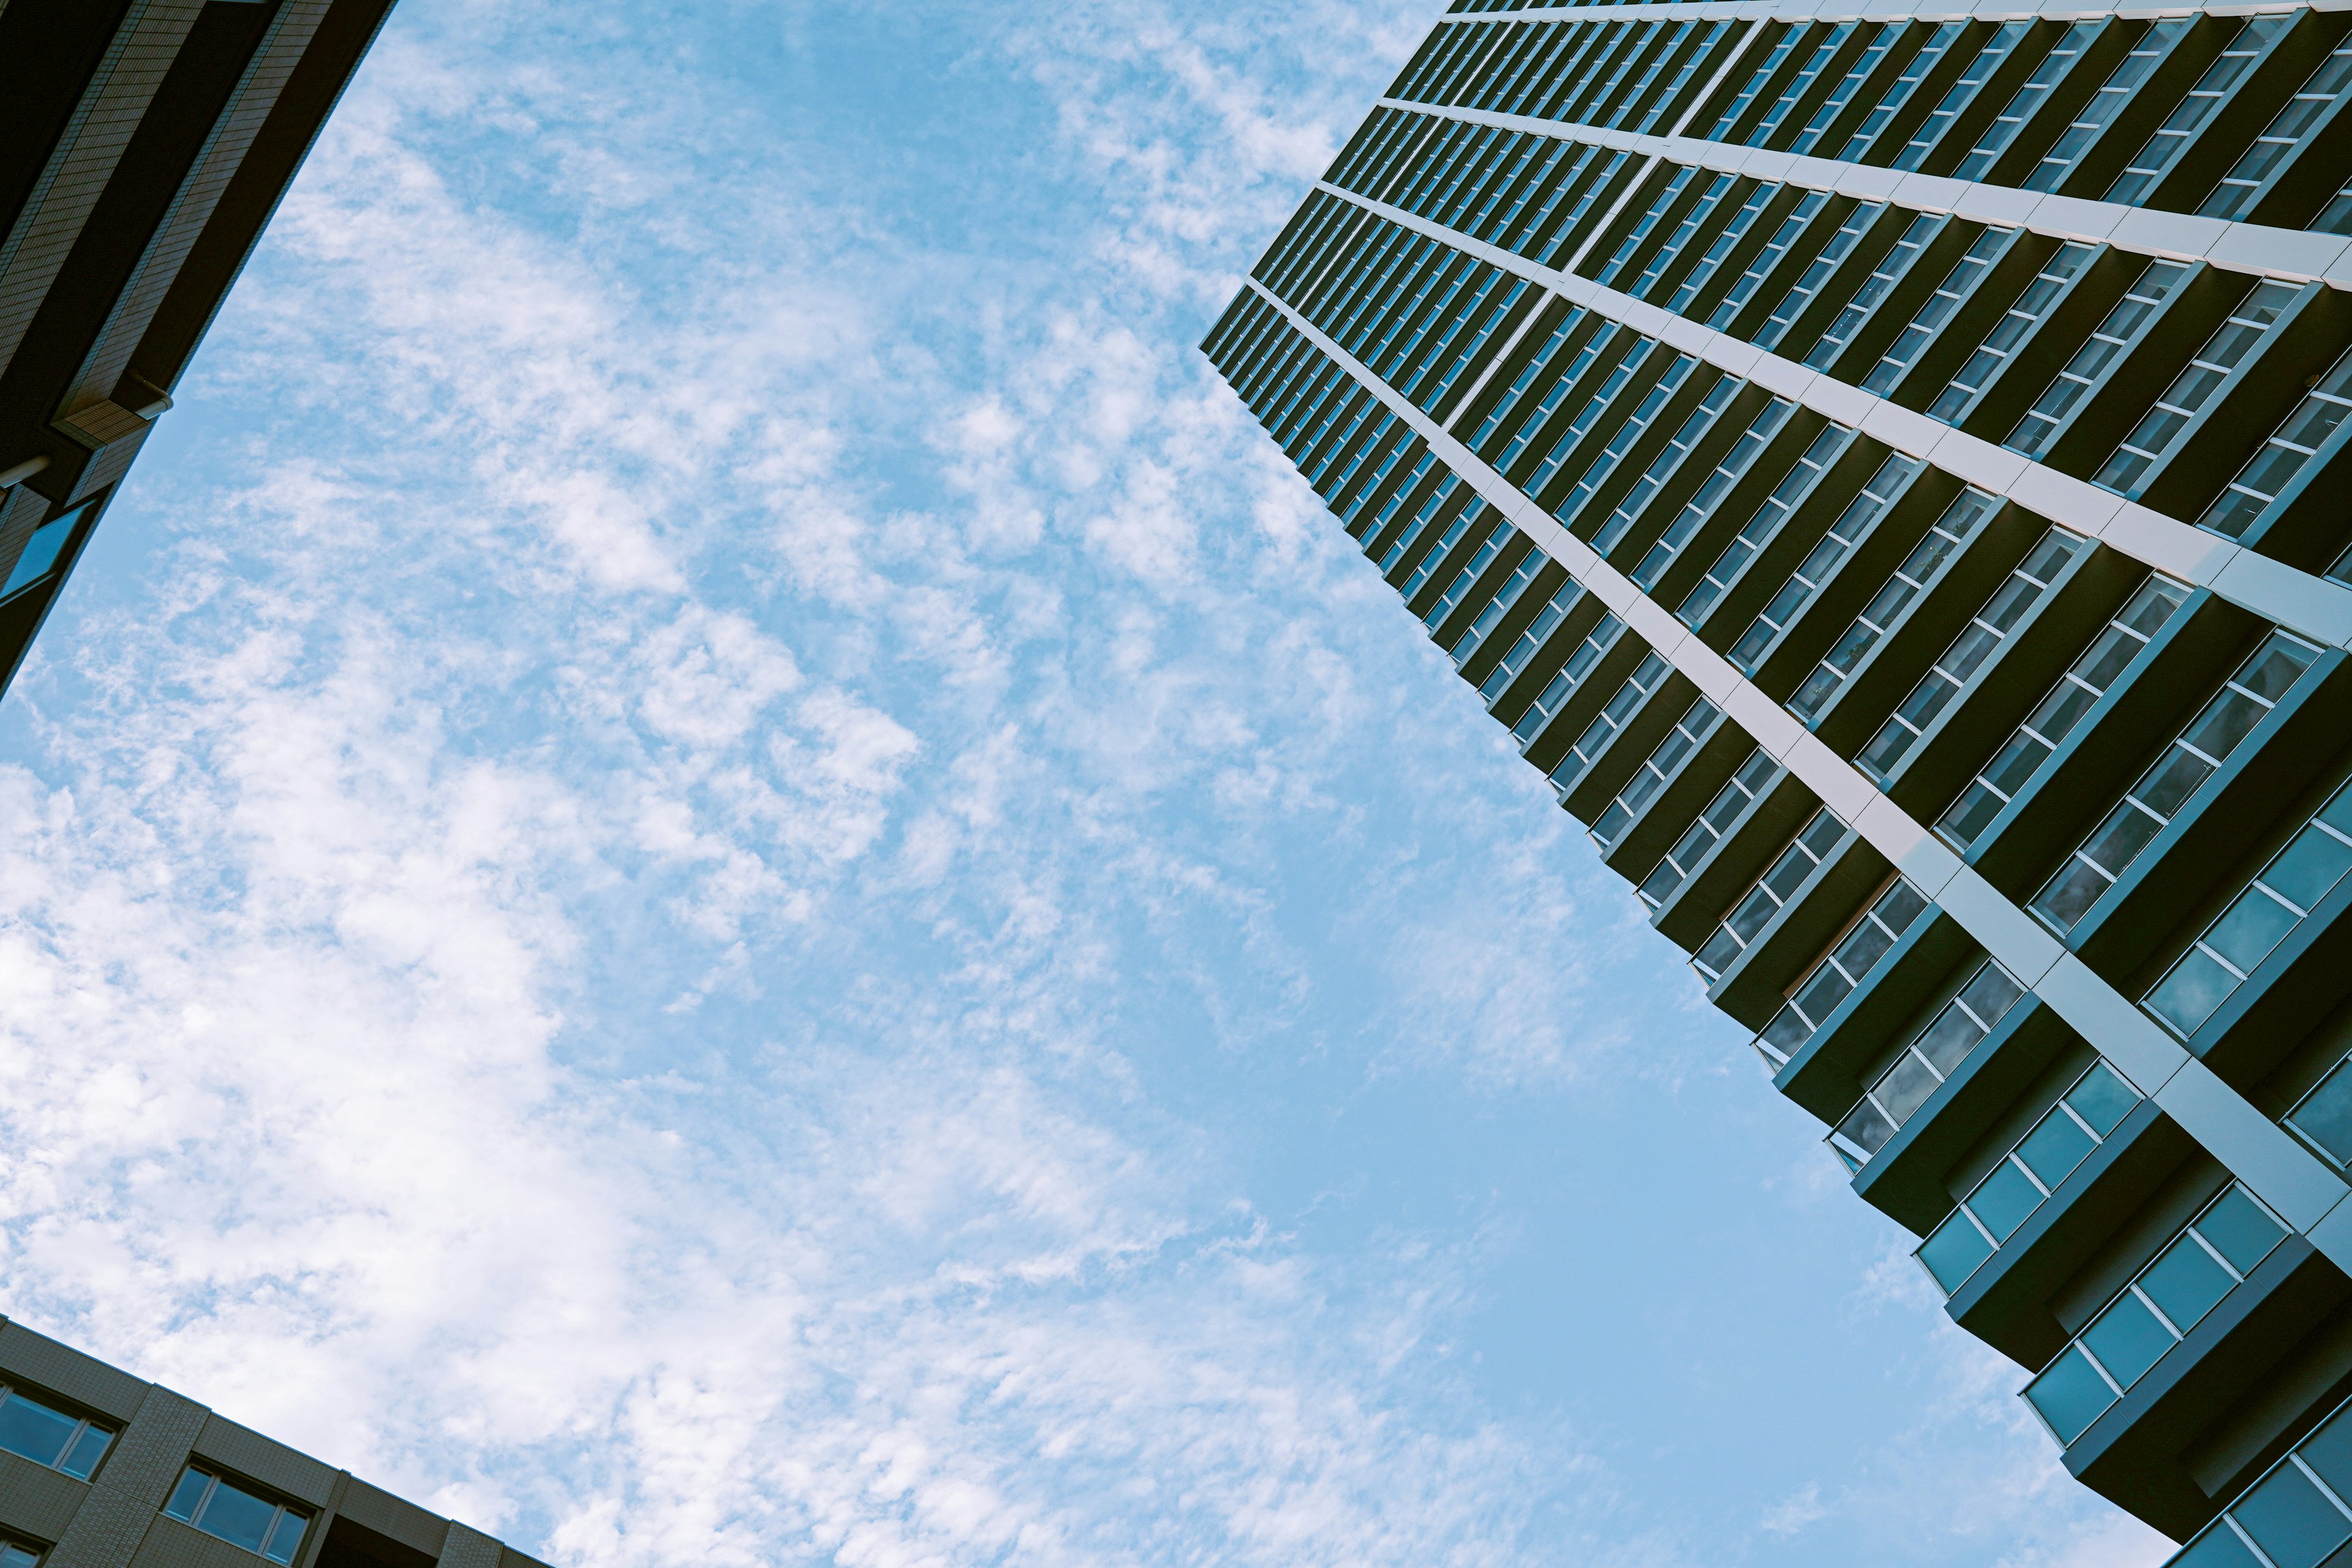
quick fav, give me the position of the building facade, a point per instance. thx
(1888, 470)
(143, 145)
(100, 1470)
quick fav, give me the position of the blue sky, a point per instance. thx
(716, 869)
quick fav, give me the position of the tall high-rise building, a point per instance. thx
(143, 145)
(1888, 473)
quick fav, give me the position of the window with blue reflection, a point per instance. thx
(41, 552)
(2292, 1520)
(224, 1509)
(34, 1430)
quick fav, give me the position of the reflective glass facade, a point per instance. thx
(1886, 471)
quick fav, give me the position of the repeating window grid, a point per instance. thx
(1504, 157)
(1335, 245)
(1264, 361)
(1364, 409)
(1603, 167)
(1472, 329)
(1465, 164)
(1471, 516)
(1670, 94)
(1498, 604)
(1662, 466)
(1425, 60)
(2182, 125)
(2279, 899)
(2194, 756)
(1807, 74)
(1309, 393)
(1394, 445)
(2116, 1376)
(1313, 428)
(2106, 656)
(1893, 474)
(2249, 322)
(1520, 158)
(1789, 35)
(2336, 217)
(1925, 1064)
(1275, 268)
(1498, 535)
(1766, 259)
(2034, 303)
(1562, 685)
(1637, 49)
(1295, 358)
(1628, 433)
(1890, 270)
(1733, 230)
(1567, 168)
(1507, 231)
(2280, 458)
(1675, 866)
(1690, 731)
(2289, 131)
(1554, 37)
(1944, 540)
(2084, 1117)
(2123, 326)
(1267, 338)
(1899, 91)
(1433, 306)
(1937, 309)
(1839, 973)
(1611, 383)
(1361, 160)
(1693, 221)
(1475, 45)
(1605, 724)
(1508, 403)
(1777, 507)
(1569, 104)
(1543, 95)
(1523, 646)
(1554, 395)
(1962, 93)
(1405, 275)
(1848, 85)
(222, 1508)
(1674, 47)
(2274, 1523)
(1632, 243)
(1754, 909)
(2122, 85)
(1422, 158)
(2045, 78)
(32, 1428)
(1522, 52)
(1969, 651)
(1422, 519)
(1817, 272)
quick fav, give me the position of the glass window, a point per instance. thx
(40, 553)
(1848, 85)
(226, 1509)
(2123, 84)
(1921, 1068)
(1976, 643)
(1754, 909)
(2034, 303)
(1523, 646)
(16, 1555)
(2046, 76)
(1675, 865)
(2194, 756)
(2298, 1514)
(1959, 524)
(1669, 457)
(2221, 79)
(2276, 463)
(1937, 309)
(1817, 272)
(1838, 972)
(1899, 91)
(2248, 325)
(1893, 475)
(2131, 315)
(1766, 259)
(1605, 724)
(1875, 289)
(32, 1428)
(1697, 723)
(1962, 93)
(2288, 134)
(1556, 693)
(1775, 507)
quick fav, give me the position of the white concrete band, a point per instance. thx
(2309, 606)
(2263, 1154)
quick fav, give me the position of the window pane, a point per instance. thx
(40, 553)
(2218, 1548)
(187, 1494)
(2102, 1099)
(2128, 1339)
(2240, 1230)
(288, 1539)
(2186, 1283)
(35, 1431)
(2070, 1393)
(2294, 1526)
(2188, 996)
(16, 1556)
(2312, 865)
(87, 1451)
(1865, 1128)
(2054, 1147)
(1905, 1089)
(1954, 1251)
(2248, 931)
(2005, 1200)
(2329, 1451)
(2326, 1117)
(239, 1517)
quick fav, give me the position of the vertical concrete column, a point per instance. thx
(132, 1484)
